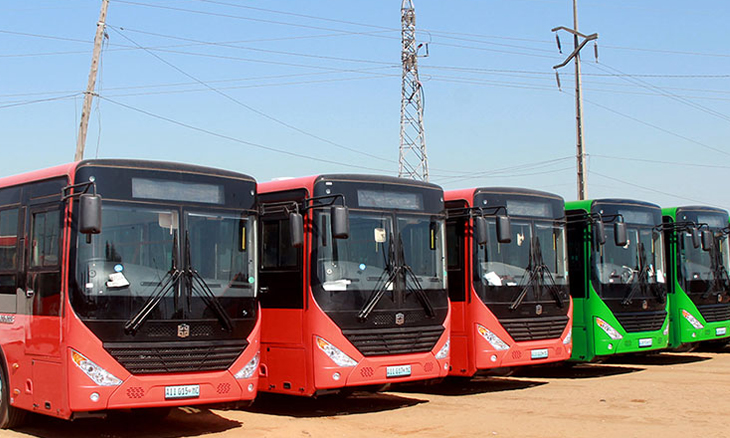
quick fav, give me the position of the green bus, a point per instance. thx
(617, 277)
(699, 287)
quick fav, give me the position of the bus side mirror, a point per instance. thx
(480, 230)
(89, 214)
(706, 240)
(340, 222)
(600, 232)
(504, 229)
(619, 234)
(296, 229)
(695, 238)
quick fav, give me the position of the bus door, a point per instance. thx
(43, 281)
(43, 306)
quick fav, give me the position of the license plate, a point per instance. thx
(645, 342)
(539, 354)
(183, 391)
(720, 331)
(398, 371)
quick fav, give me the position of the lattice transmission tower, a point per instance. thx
(412, 162)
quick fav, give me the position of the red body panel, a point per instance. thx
(291, 361)
(470, 352)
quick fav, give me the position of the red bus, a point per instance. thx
(146, 299)
(353, 283)
(508, 279)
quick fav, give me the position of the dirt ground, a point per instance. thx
(666, 395)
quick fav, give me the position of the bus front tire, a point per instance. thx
(10, 416)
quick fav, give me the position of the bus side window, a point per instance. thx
(8, 260)
(44, 270)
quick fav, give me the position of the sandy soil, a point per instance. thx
(667, 395)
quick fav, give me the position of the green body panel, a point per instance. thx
(681, 330)
(589, 340)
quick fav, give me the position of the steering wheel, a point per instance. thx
(627, 274)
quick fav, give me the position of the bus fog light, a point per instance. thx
(446, 367)
(250, 387)
(610, 346)
(692, 320)
(610, 331)
(336, 376)
(94, 396)
(334, 353)
(493, 339)
(250, 368)
(444, 351)
(99, 375)
(493, 358)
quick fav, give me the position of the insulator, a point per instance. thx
(595, 50)
(557, 39)
(557, 78)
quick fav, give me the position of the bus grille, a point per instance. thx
(176, 357)
(715, 312)
(634, 322)
(535, 329)
(396, 340)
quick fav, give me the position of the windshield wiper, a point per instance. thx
(389, 275)
(209, 298)
(642, 284)
(539, 272)
(168, 283)
(418, 290)
(720, 280)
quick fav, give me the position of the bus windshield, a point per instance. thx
(640, 260)
(139, 246)
(702, 271)
(510, 264)
(378, 243)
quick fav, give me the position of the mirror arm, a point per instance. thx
(66, 191)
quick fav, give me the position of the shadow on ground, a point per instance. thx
(657, 359)
(182, 422)
(329, 405)
(713, 347)
(464, 386)
(578, 371)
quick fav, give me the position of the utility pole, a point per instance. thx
(580, 154)
(412, 162)
(89, 95)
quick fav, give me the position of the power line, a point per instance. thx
(237, 140)
(30, 102)
(651, 125)
(648, 189)
(250, 108)
(665, 93)
(673, 163)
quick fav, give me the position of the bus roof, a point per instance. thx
(308, 182)
(470, 193)
(70, 168)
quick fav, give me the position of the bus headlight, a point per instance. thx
(568, 337)
(497, 343)
(610, 331)
(250, 368)
(334, 353)
(692, 320)
(99, 375)
(444, 351)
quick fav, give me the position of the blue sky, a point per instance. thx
(204, 81)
